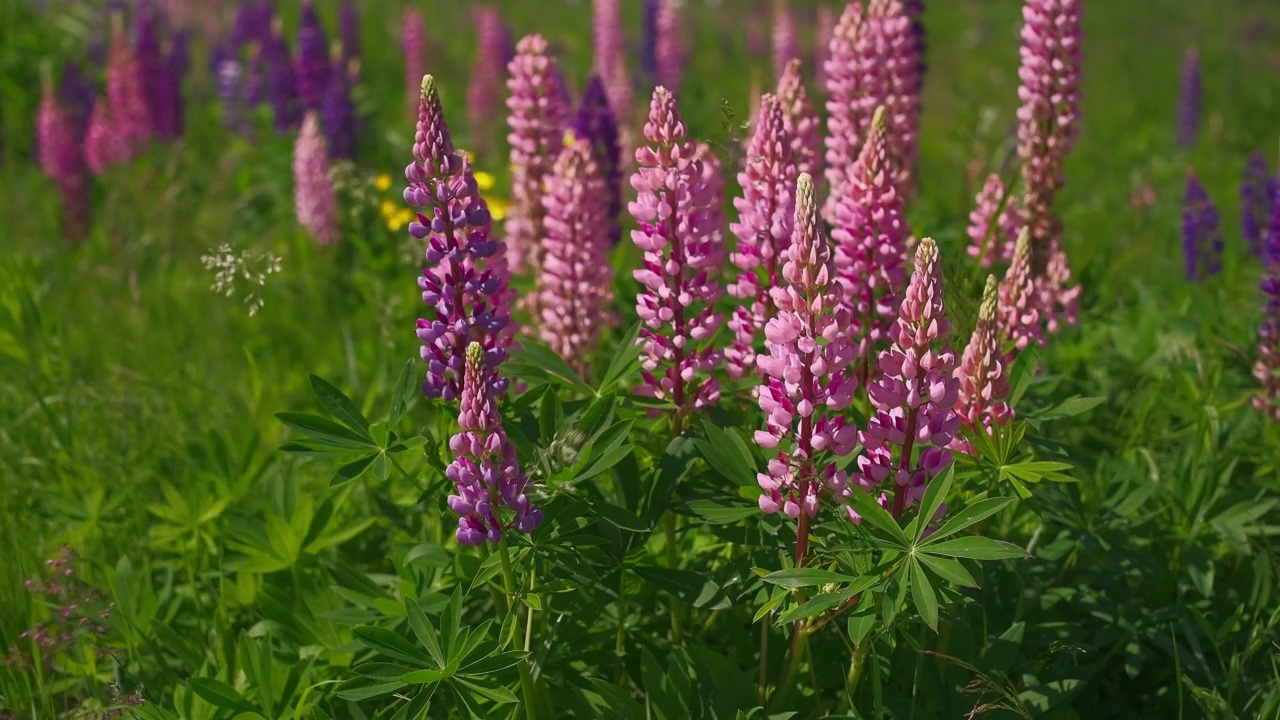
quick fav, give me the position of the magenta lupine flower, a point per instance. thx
(669, 53)
(1267, 368)
(62, 159)
(826, 25)
(805, 370)
(537, 120)
(786, 44)
(609, 45)
(897, 57)
(313, 58)
(413, 44)
(801, 120)
(676, 303)
(314, 200)
(104, 146)
(993, 231)
(870, 235)
(713, 179)
(146, 51)
(596, 123)
(766, 211)
(1018, 312)
(131, 118)
(467, 281)
(575, 285)
(484, 94)
(485, 470)
(1059, 300)
(851, 89)
(170, 110)
(913, 421)
(984, 382)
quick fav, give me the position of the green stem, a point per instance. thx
(677, 623)
(526, 677)
(620, 645)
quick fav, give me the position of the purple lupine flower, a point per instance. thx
(467, 281)
(1018, 313)
(575, 285)
(314, 199)
(765, 214)
(537, 120)
(170, 112)
(801, 120)
(313, 58)
(805, 370)
(349, 30)
(146, 51)
(913, 422)
(915, 8)
(1201, 238)
(670, 53)
(229, 81)
(413, 44)
(62, 159)
(649, 40)
(484, 90)
(896, 56)
(609, 46)
(256, 81)
(851, 82)
(131, 117)
(993, 231)
(75, 93)
(1267, 368)
(252, 23)
(825, 26)
(870, 235)
(984, 379)
(678, 294)
(1257, 194)
(282, 82)
(596, 123)
(339, 112)
(1190, 99)
(485, 471)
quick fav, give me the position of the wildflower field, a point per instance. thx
(639, 359)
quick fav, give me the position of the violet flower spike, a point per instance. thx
(170, 112)
(825, 27)
(146, 51)
(490, 488)
(984, 380)
(413, 45)
(313, 58)
(129, 111)
(993, 231)
(1257, 194)
(314, 199)
(800, 118)
(282, 82)
(1267, 368)
(806, 384)
(678, 290)
(852, 86)
(1017, 312)
(62, 159)
(1201, 238)
(766, 210)
(913, 422)
(595, 122)
(649, 39)
(483, 90)
(670, 53)
(899, 62)
(1190, 99)
(338, 111)
(466, 282)
(349, 29)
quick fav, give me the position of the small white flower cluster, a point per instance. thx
(232, 268)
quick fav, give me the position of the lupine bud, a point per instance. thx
(313, 59)
(806, 385)
(1018, 313)
(993, 231)
(678, 294)
(467, 282)
(314, 199)
(1189, 99)
(984, 382)
(485, 471)
(575, 285)
(669, 50)
(282, 82)
(786, 45)
(537, 119)
(913, 422)
(764, 228)
(131, 118)
(899, 62)
(596, 123)
(339, 112)
(413, 44)
(1257, 194)
(801, 120)
(1201, 238)
(851, 89)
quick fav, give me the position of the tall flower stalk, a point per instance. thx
(1190, 99)
(851, 89)
(413, 45)
(1018, 313)
(984, 381)
(596, 123)
(993, 230)
(314, 198)
(338, 111)
(1201, 238)
(313, 59)
(61, 147)
(800, 118)
(669, 49)
(1257, 194)
(130, 112)
(609, 46)
(1267, 368)
(897, 57)
(786, 44)
(492, 56)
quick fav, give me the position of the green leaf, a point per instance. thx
(877, 516)
(727, 454)
(625, 361)
(386, 672)
(489, 690)
(424, 631)
(390, 644)
(975, 513)
(543, 358)
(948, 569)
(621, 518)
(550, 414)
(934, 496)
(975, 548)
(923, 597)
(353, 469)
(219, 694)
(826, 601)
(339, 405)
(406, 386)
(358, 689)
(689, 586)
(320, 428)
(719, 513)
(862, 620)
(805, 577)
(1069, 408)
(422, 677)
(608, 449)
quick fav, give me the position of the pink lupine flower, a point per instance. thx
(870, 235)
(62, 159)
(806, 385)
(984, 382)
(713, 179)
(765, 214)
(104, 146)
(413, 43)
(898, 58)
(913, 422)
(314, 199)
(786, 44)
(493, 52)
(993, 231)
(610, 64)
(681, 253)
(131, 116)
(1018, 313)
(1059, 300)
(852, 86)
(575, 285)
(669, 50)
(801, 120)
(467, 281)
(826, 24)
(485, 471)
(537, 119)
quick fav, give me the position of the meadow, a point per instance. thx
(223, 489)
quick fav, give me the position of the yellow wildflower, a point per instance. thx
(388, 208)
(383, 183)
(399, 219)
(569, 136)
(497, 208)
(484, 180)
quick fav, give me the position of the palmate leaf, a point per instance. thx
(390, 644)
(973, 547)
(923, 596)
(878, 518)
(727, 454)
(805, 577)
(340, 406)
(975, 513)
(533, 359)
(405, 390)
(933, 497)
(424, 631)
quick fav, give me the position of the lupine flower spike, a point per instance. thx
(313, 59)
(314, 198)
(678, 294)
(806, 386)
(898, 57)
(339, 112)
(913, 422)
(492, 56)
(1201, 238)
(104, 147)
(413, 43)
(786, 45)
(130, 114)
(596, 123)
(1257, 194)
(850, 81)
(984, 382)
(825, 27)
(765, 214)
(62, 158)
(993, 231)
(485, 471)
(282, 81)
(146, 51)
(1017, 313)
(537, 119)
(1190, 99)
(649, 39)
(1267, 369)
(170, 110)
(349, 29)
(801, 120)
(669, 51)
(609, 46)
(467, 282)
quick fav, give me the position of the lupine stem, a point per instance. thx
(526, 677)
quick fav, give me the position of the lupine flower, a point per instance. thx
(537, 120)
(713, 179)
(574, 286)
(850, 84)
(146, 51)
(984, 382)
(492, 57)
(1059, 300)
(413, 44)
(282, 82)
(467, 282)
(669, 50)
(75, 92)
(1257, 194)
(349, 29)
(1201, 238)
(993, 231)
(805, 370)
(103, 145)
(62, 159)
(596, 123)
(765, 215)
(252, 23)
(1017, 312)
(313, 58)
(485, 471)
(786, 45)
(170, 110)
(898, 60)
(757, 36)
(822, 47)
(609, 48)
(1189, 99)
(801, 120)
(915, 8)
(314, 199)
(649, 39)
(256, 82)
(339, 113)
(913, 421)
(870, 237)
(131, 118)
(678, 294)
(77, 611)
(1267, 369)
